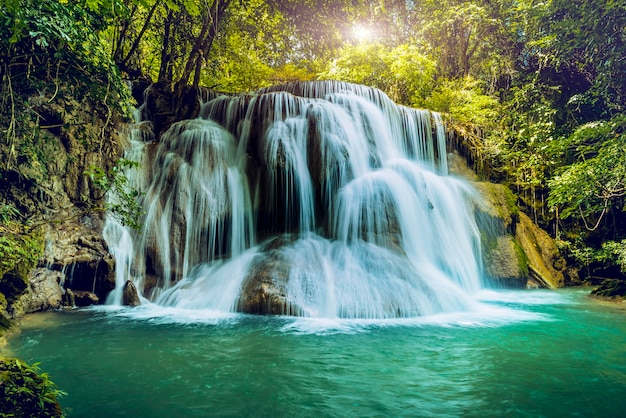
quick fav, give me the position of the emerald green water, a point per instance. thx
(524, 353)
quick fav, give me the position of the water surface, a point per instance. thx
(526, 353)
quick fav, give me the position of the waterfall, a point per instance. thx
(320, 199)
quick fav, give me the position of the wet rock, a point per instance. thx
(265, 287)
(85, 298)
(44, 293)
(130, 297)
(69, 299)
(611, 289)
(496, 216)
(544, 259)
(517, 252)
(504, 263)
(78, 251)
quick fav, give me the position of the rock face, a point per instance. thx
(67, 131)
(80, 255)
(611, 289)
(545, 263)
(130, 297)
(84, 298)
(497, 218)
(264, 288)
(44, 291)
(517, 252)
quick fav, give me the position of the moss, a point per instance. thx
(522, 258)
(5, 323)
(613, 289)
(511, 204)
(19, 253)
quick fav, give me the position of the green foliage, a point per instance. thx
(610, 253)
(20, 250)
(52, 61)
(613, 253)
(465, 101)
(404, 73)
(26, 391)
(595, 184)
(123, 204)
(49, 39)
(8, 212)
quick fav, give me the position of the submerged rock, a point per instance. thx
(130, 296)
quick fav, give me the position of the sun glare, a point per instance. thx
(362, 33)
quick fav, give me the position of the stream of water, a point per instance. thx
(523, 353)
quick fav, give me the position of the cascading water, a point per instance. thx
(347, 193)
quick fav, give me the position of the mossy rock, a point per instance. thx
(613, 289)
(543, 256)
(498, 204)
(506, 265)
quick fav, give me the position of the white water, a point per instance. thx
(373, 226)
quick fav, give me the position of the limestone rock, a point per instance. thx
(85, 298)
(78, 251)
(544, 259)
(517, 252)
(130, 297)
(496, 216)
(611, 289)
(45, 293)
(503, 264)
(264, 288)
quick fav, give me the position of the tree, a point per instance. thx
(403, 72)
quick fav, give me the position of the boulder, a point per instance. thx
(130, 296)
(517, 252)
(44, 293)
(265, 287)
(496, 216)
(85, 298)
(505, 263)
(545, 263)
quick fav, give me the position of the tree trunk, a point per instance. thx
(165, 53)
(204, 41)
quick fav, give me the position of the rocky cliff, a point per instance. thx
(50, 208)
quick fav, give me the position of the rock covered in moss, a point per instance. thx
(497, 217)
(517, 252)
(545, 262)
(610, 289)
